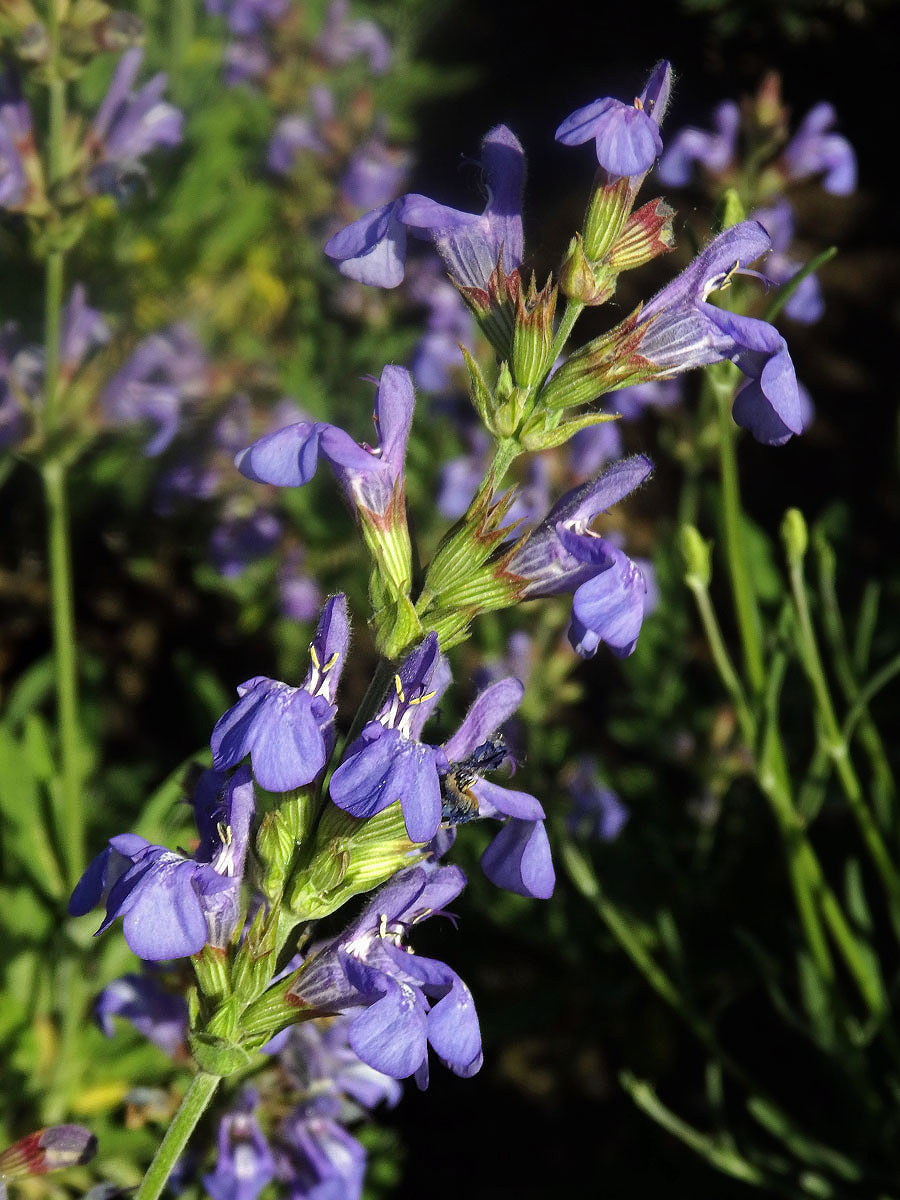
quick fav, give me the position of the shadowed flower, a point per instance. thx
(816, 150)
(244, 1163)
(714, 150)
(160, 1015)
(317, 1157)
(172, 905)
(17, 151)
(807, 303)
(597, 812)
(342, 40)
(288, 731)
(408, 1001)
(626, 136)
(373, 249)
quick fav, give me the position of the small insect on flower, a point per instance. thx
(459, 803)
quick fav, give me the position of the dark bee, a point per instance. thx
(459, 803)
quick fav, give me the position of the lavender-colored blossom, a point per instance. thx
(626, 135)
(373, 249)
(317, 1159)
(407, 1001)
(173, 905)
(246, 17)
(244, 1162)
(374, 174)
(448, 321)
(246, 59)
(680, 330)
(714, 150)
(592, 448)
(335, 1081)
(14, 388)
(807, 303)
(160, 1015)
(597, 812)
(130, 124)
(563, 554)
(241, 538)
(387, 762)
(341, 40)
(372, 479)
(298, 132)
(816, 150)
(165, 372)
(518, 858)
(288, 731)
(16, 139)
(83, 331)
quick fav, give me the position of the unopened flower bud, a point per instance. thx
(533, 336)
(794, 535)
(695, 551)
(589, 283)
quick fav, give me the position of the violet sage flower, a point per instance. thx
(316, 1157)
(807, 303)
(244, 1162)
(714, 150)
(371, 478)
(679, 330)
(129, 124)
(407, 1001)
(815, 149)
(626, 136)
(173, 905)
(159, 1015)
(518, 858)
(563, 554)
(288, 732)
(387, 762)
(341, 40)
(597, 812)
(19, 163)
(372, 249)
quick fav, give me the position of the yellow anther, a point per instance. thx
(224, 832)
(638, 104)
(314, 657)
(331, 662)
(422, 699)
(399, 686)
(382, 925)
(729, 275)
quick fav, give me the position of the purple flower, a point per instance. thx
(374, 174)
(248, 16)
(807, 303)
(387, 762)
(563, 554)
(288, 731)
(245, 59)
(317, 1159)
(518, 858)
(372, 479)
(164, 371)
(130, 124)
(408, 1001)
(173, 905)
(448, 322)
(239, 539)
(244, 1164)
(591, 448)
(318, 1058)
(20, 385)
(816, 150)
(296, 132)
(16, 141)
(373, 249)
(160, 1015)
(680, 330)
(597, 812)
(713, 150)
(341, 40)
(626, 135)
(83, 331)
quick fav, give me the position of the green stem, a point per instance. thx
(181, 34)
(838, 748)
(743, 591)
(722, 659)
(71, 834)
(194, 1104)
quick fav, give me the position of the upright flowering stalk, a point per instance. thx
(372, 480)
(288, 732)
(172, 904)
